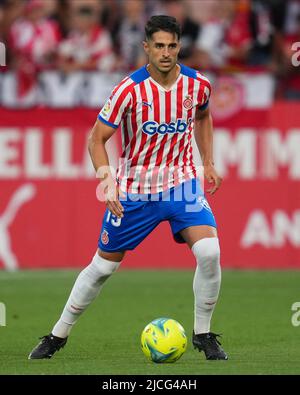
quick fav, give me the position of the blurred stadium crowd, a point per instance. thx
(106, 35)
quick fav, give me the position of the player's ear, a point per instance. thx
(146, 47)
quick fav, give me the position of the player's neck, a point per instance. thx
(166, 80)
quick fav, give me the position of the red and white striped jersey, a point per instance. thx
(156, 128)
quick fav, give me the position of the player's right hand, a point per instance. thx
(113, 203)
(108, 191)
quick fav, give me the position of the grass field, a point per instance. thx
(253, 313)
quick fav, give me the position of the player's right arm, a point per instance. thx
(109, 119)
(99, 135)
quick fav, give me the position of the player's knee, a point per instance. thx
(207, 254)
(100, 269)
(207, 249)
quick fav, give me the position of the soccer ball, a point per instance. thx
(163, 340)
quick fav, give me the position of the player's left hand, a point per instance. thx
(213, 178)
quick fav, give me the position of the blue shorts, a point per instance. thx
(182, 206)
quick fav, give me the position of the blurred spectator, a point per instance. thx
(202, 11)
(210, 43)
(1, 19)
(11, 10)
(61, 14)
(291, 17)
(88, 46)
(229, 35)
(190, 30)
(288, 33)
(262, 30)
(225, 40)
(131, 34)
(237, 32)
(33, 40)
(111, 17)
(153, 7)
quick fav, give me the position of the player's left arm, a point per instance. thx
(204, 139)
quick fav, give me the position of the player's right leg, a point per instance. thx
(86, 288)
(117, 235)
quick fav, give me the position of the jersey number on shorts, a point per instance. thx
(113, 219)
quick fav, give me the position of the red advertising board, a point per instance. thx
(50, 216)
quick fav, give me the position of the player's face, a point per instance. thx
(162, 50)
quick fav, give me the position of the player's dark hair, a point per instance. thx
(162, 22)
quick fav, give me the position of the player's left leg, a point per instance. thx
(193, 222)
(204, 244)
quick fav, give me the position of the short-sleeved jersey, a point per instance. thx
(156, 128)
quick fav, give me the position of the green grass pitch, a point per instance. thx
(253, 313)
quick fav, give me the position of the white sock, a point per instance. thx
(207, 281)
(87, 286)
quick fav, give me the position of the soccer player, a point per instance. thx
(157, 108)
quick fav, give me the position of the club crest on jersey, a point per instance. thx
(152, 127)
(104, 237)
(188, 102)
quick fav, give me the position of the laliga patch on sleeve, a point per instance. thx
(106, 108)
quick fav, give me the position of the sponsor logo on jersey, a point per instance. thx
(152, 127)
(104, 237)
(188, 102)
